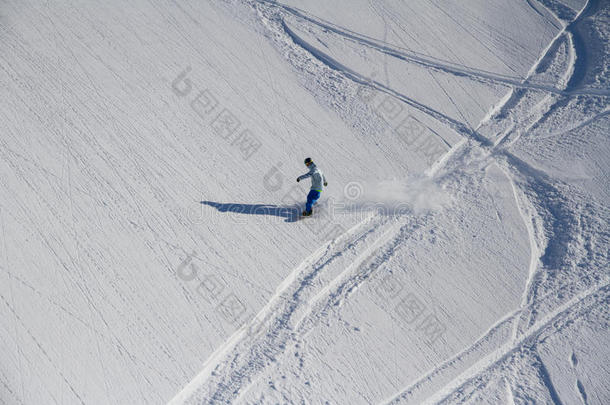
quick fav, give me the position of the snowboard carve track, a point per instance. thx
(530, 174)
(233, 367)
(271, 328)
(579, 125)
(526, 213)
(350, 273)
(529, 336)
(319, 307)
(433, 63)
(328, 61)
(227, 372)
(501, 353)
(129, 154)
(523, 204)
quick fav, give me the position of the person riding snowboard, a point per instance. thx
(317, 180)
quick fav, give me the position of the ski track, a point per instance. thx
(503, 352)
(480, 345)
(356, 274)
(315, 308)
(574, 74)
(234, 365)
(286, 306)
(275, 316)
(579, 125)
(44, 352)
(500, 353)
(577, 69)
(352, 276)
(333, 294)
(533, 6)
(288, 315)
(449, 364)
(534, 248)
(357, 78)
(530, 219)
(433, 63)
(522, 169)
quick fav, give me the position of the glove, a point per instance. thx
(325, 184)
(298, 179)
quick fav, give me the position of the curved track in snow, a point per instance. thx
(437, 64)
(297, 305)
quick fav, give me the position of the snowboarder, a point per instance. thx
(317, 180)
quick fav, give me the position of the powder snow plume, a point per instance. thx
(419, 194)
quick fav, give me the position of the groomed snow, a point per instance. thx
(150, 245)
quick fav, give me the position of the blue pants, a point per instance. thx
(312, 198)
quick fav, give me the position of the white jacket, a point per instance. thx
(317, 177)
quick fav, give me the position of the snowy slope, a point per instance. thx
(150, 246)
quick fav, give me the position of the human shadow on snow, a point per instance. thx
(289, 213)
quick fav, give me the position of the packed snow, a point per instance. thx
(152, 248)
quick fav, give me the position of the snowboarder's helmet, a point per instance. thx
(308, 161)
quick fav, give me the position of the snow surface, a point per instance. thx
(150, 245)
